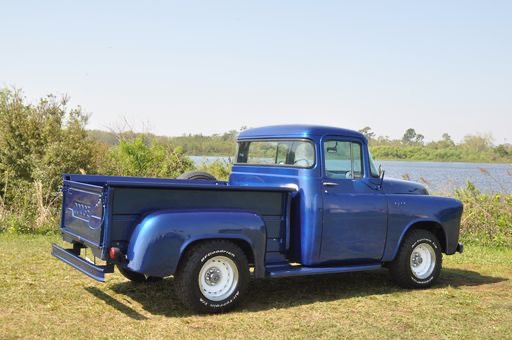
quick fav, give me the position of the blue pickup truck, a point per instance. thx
(301, 200)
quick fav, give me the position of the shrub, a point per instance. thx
(38, 143)
(487, 218)
(145, 157)
(220, 169)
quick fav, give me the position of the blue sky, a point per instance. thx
(211, 66)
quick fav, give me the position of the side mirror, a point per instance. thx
(332, 149)
(380, 170)
(379, 187)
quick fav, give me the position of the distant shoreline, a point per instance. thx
(438, 177)
(381, 159)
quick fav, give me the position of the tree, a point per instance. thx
(146, 157)
(40, 142)
(368, 133)
(501, 151)
(419, 139)
(409, 136)
(478, 143)
(412, 138)
(447, 139)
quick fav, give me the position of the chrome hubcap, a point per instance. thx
(218, 278)
(423, 260)
(212, 276)
(416, 259)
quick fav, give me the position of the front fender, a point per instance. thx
(159, 240)
(405, 211)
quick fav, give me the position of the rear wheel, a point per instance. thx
(213, 277)
(137, 277)
(419, 260)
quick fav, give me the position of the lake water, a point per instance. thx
(437, 176)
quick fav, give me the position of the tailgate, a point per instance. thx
(82, 213)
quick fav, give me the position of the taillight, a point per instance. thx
(114, 253)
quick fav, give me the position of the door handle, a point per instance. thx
(330, 184)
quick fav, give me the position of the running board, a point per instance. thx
(287, 270)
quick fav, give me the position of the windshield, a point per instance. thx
(373, 169)
(295, 153)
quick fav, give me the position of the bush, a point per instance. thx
(38, 143)
(33, 214)
(487, 218)
(220, 169)
(145, 157)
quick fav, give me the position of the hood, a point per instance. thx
(398, 186)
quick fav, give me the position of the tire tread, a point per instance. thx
(197, 175)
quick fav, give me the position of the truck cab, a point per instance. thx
(300, 200)
(342, 207)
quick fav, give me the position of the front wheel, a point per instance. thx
(213, 277)
(419, 260)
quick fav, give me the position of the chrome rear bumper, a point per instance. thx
(72, 258)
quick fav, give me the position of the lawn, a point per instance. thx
(42, 297)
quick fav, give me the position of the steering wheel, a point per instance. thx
(303, 160)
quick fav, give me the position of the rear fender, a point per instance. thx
(161, 238)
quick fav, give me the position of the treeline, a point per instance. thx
(474, 148)
(39, 142)
(192, 145)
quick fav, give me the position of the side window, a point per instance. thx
(343, 159)
(357, 159)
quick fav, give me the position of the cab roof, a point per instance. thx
(297, 131)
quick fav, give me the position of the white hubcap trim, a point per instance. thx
(423, 260)
(218, 278)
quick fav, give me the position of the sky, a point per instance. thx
(179, 67)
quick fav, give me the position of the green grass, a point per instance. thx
(41, 297)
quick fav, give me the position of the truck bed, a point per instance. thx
(125, 201)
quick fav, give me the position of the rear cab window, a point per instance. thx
(290, 153)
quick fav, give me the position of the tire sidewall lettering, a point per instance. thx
(217, 252)
(231, 299)
(424, 240)
(431, 277)
(401, 267)
(189, 283)
(422, 282)
(208, 303)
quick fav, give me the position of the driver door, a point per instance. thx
(354, 214)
